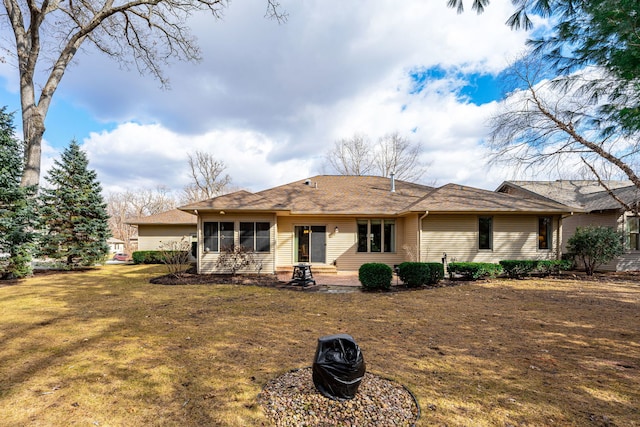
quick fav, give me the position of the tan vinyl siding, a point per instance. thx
(150, 237)
(341, 249)
(570, 223)
(514, 237)
(207, 262)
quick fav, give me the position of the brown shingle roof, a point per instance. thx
(588, 195)
(460, 198)
(371, 195)
(324, 194)
(173, 217)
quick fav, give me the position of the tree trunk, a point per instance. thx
(33, 125)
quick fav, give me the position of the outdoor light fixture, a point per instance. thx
(336, 230)
(222, 212)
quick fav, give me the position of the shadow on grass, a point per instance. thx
(106, 346)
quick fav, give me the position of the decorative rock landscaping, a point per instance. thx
(292, 400)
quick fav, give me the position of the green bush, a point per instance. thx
(436, 272)
(474, 270)
(148, 257)
(414, 274)
(375, 275)
(553, 266)
(595, 246)
(518, 268)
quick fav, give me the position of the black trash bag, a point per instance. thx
(338, 367)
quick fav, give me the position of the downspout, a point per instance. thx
(275, 243)
(200, 240)
(420, 235)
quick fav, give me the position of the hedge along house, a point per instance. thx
(594, 207)
(338, 223)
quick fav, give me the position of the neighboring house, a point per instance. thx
(594, 206)
(165, 227)
(115, 245)
(338, 223)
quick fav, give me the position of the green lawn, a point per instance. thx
(105, 347)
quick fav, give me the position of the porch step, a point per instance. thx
(315, 269)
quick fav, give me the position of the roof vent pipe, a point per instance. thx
(393, 182)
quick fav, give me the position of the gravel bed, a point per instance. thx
(292, 400)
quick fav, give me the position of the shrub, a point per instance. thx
(375, 275)
(176, 256)
(554, 266)
(414, 274)
(436, 272)
(595, 246)
(147, 257)
(235, 259)
(474, 270)
(517, 269)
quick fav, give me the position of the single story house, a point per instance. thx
(594, 206)
(338, 223)
(169, 226)
(115, 245)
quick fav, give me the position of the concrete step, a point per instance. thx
(315, 269)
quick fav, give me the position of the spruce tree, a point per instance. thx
(17, 215)
(73, 212)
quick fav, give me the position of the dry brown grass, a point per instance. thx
(106, 347)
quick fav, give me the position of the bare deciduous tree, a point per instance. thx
(208, 177)
(543, 125)
(124, 206)
(351, 156)
(48, 34)
(397, 154)
(392, 153)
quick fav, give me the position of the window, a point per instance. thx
(255, 236)
(376, 235)
(218, 236)
(485, 232)
(544, 232)
(633, 233)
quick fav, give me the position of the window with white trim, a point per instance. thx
(376, 235)
(545, 230)
(255, 236)
(218, 236)
(633, 233)
(485, 232)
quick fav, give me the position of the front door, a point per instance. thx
(310, 243)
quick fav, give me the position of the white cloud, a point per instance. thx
(269, 99)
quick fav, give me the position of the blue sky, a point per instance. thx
(271, 99)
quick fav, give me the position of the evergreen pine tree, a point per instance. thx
(16, 205)
(73, 212)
